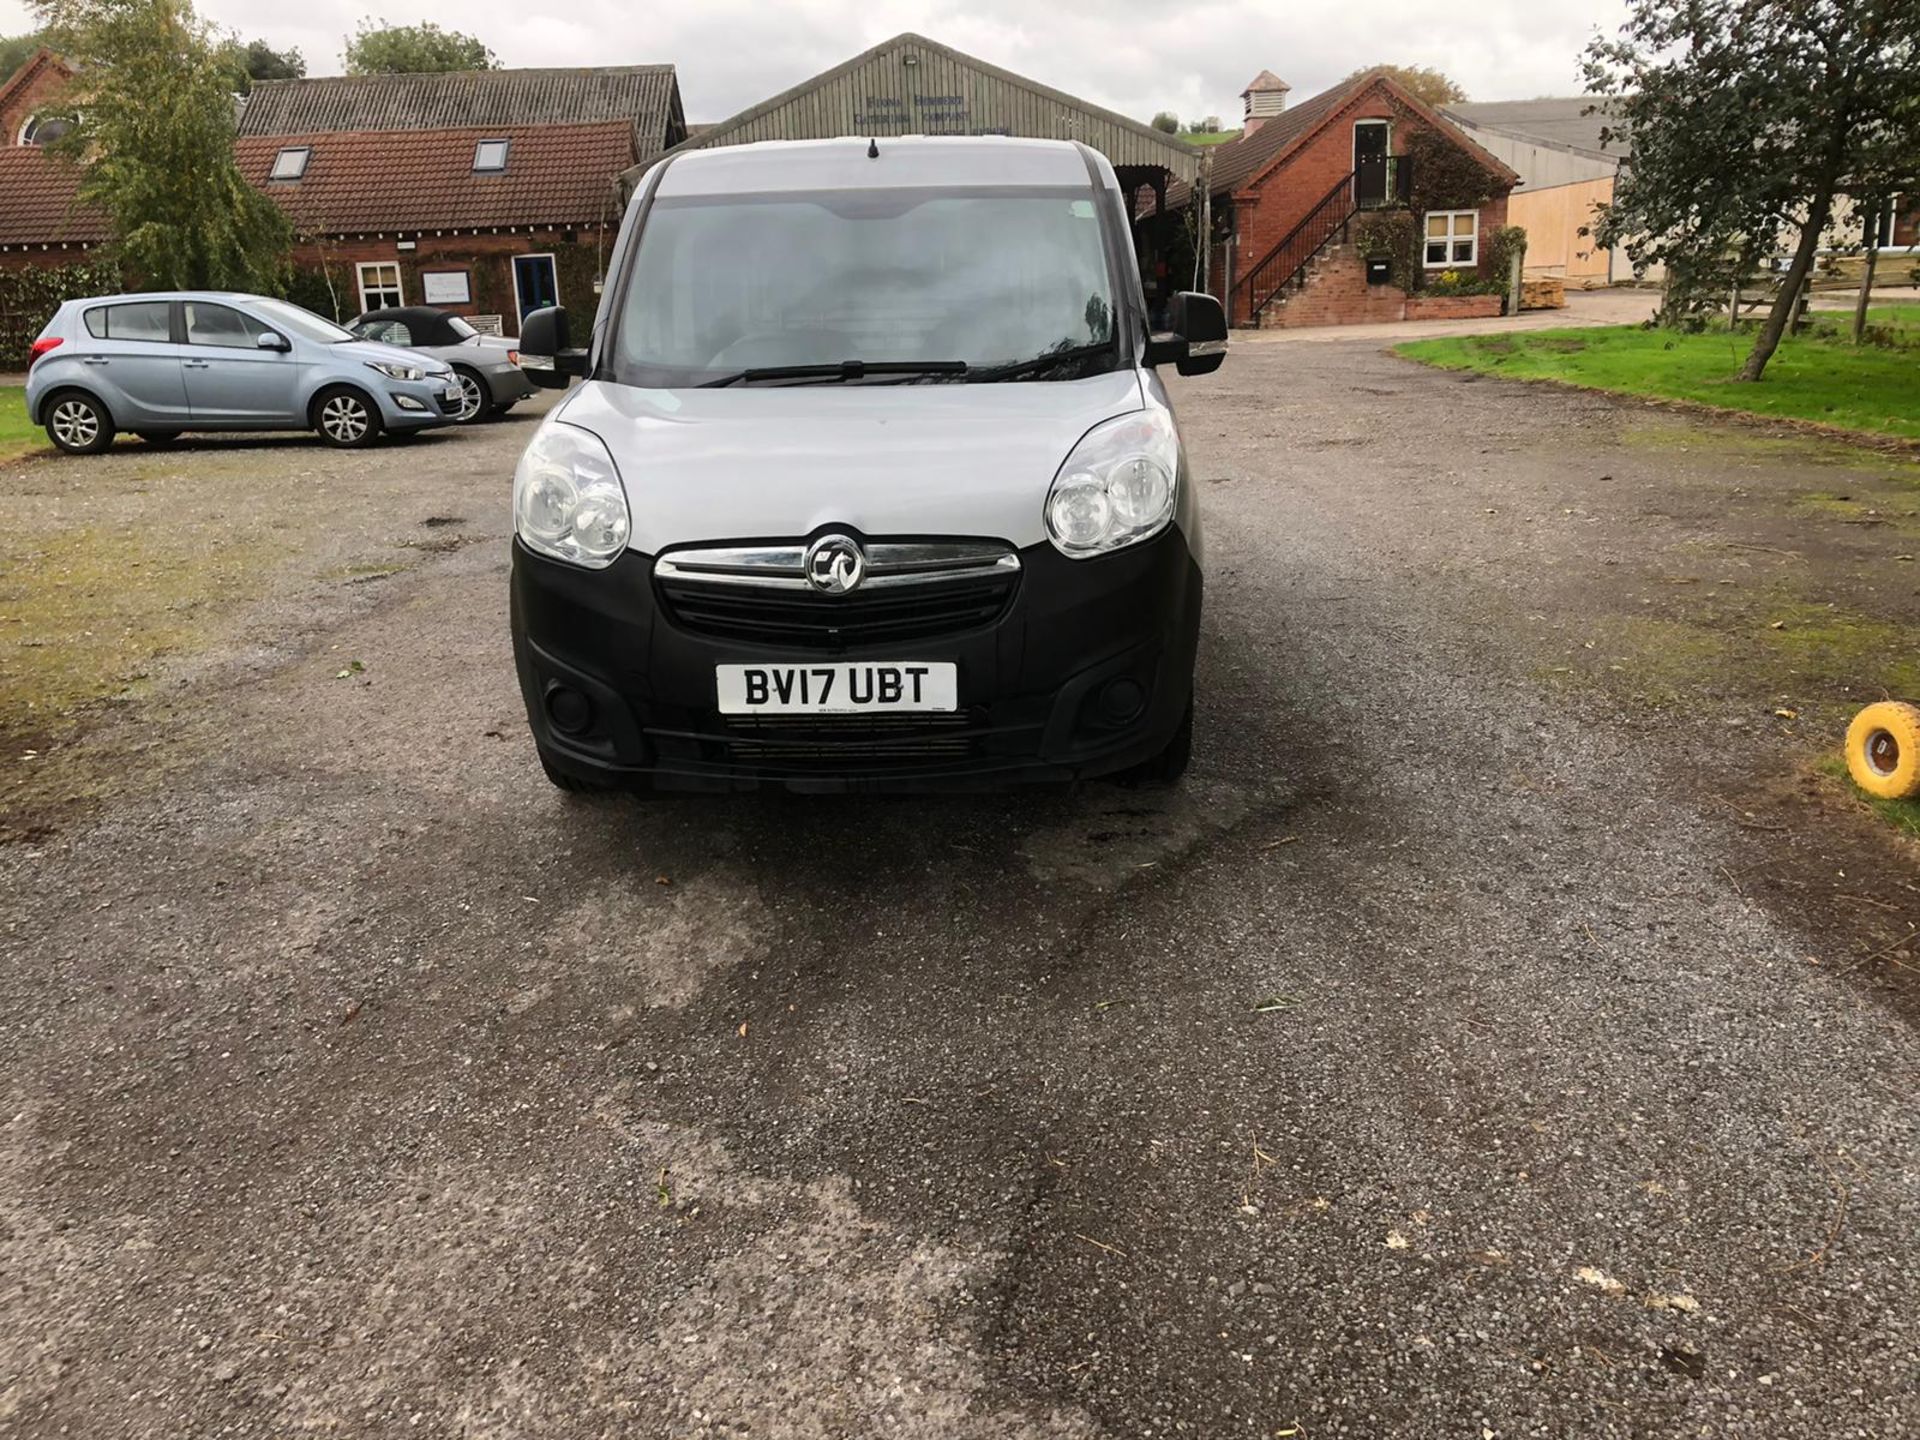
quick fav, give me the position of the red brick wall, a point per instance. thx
(1338, 294)
(1264, 214)
(1906, 220)
(47, 79)
(487, 260)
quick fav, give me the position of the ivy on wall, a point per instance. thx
(30, 294)
(1496, 259)
(1445, 177)
(1395, 234)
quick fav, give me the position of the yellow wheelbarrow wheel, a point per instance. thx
(1883, 750)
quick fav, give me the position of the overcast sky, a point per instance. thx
(1134, 56)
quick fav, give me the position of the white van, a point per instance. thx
(871, 484)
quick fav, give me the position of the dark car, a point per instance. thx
(488, 367)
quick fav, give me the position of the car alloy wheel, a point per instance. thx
(76, 425)
(345, 419)
(473, 399)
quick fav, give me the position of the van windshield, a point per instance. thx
(729, 286)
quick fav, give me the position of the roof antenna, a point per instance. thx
(873, 149)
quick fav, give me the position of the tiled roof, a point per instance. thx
(37, 204)
(1235, 162)
(377, 182)
(646, 96)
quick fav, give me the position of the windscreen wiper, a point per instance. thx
(1052, 360)
(840, 370)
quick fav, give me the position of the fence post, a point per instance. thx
(1516, 271)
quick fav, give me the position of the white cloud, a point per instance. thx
(1131, 55)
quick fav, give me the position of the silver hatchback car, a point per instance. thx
(163, 363)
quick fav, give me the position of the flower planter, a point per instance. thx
(1452, 307)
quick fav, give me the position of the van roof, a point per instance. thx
(904, 161)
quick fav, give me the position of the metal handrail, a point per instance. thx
(1302, 243)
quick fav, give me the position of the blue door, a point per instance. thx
(535, 285)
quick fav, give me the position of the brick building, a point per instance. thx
(41, 219)
(1308, 194)
(490, 193)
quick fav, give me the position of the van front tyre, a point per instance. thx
(569, 782)
(1171, 763)
(79, 424)
(345, 418)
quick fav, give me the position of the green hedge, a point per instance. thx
(30, 294)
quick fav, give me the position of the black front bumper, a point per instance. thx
(620, 693)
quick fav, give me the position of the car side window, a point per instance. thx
(387, 332)
(146, 320)
(219, 325)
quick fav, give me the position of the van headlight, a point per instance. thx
(1117, 487)
(568, 501)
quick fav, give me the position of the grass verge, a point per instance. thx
(1902, 815)
(17, 436)
(1818, 377)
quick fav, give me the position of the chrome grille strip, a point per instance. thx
(890, 564)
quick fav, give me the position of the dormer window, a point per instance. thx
(44, 129)
(490, 157)
(291, 163)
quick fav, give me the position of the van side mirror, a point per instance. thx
(268, 340)
(546, 349)
(1196, 343)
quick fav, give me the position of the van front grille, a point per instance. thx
(909, 591)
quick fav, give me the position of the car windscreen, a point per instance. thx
(461, 327)
(304, 323)
(726, 284)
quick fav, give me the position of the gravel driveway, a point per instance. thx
(1427, 1066)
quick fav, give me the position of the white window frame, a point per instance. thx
(505, 142)
(305, 152)
(32, 123)
(379, 284)
(1473, 239)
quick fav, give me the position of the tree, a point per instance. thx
(1208, 126)
(1744, 120)
(256, 60)
(414, 50)
(16, 50)
(1167, 123)
(1423, 82)
(153, 135)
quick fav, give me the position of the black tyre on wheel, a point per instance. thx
(475, 398)
(78, 423)
(158, 437)
(346, 418)
(564, 780)
(1170, 764)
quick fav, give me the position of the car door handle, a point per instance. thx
(197, 364)
(95, 360)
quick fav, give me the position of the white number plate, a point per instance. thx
(842, 687)
(452, 392)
